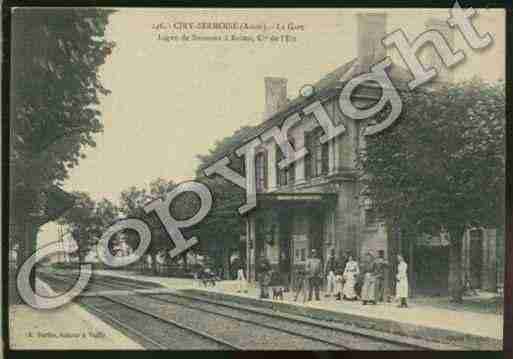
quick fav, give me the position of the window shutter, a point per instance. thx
(292, 167)
(279, 157)
(308, 157)
(257, 172)
(325, 160)
(264, 155)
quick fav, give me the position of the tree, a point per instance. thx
(223, 146)
(442, 166)
(88, 220)
(221, 229)
(132, 204)
(55, 59)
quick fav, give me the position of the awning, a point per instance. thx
(296, 200)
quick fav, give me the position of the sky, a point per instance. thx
(171, 101)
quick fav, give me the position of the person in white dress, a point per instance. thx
(241, 280)
(330, 270)
(402, 281)
(350, 275)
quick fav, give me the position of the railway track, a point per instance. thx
(346, 339)
(101, 281)
(148, 329)
(220, 326)
(151, 330)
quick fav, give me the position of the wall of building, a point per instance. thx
(487, 256)
(344, 227)
(373, 239)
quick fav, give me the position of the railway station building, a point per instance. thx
(317, 202)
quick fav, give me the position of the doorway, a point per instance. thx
(476, 258)
(285, 241)
(316, 232)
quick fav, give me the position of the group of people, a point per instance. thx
(366, 282)
(345, 278)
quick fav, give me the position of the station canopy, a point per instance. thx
(295, 200)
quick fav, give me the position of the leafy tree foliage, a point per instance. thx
(221, 147)
(442, 166)
(220, 231)
(132, 204)
(88, 220)
(55, 59)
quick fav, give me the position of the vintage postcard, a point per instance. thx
(256, 179)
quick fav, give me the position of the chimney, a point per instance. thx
(429, 56)
(275, 95)
(371, 29)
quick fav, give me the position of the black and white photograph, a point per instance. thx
(256, 179)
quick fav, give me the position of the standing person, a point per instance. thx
(331, 267)
(264, 277)
(369, 294)
(381, 266)
(339, 278)
(351, 273)
(402, 281)
(241, 279)
(313, 270)
(198, 270)
(301, 284)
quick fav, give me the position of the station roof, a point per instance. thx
(327, 87)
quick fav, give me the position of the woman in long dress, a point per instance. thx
(241, 280)
(350, 275)
(402, 281)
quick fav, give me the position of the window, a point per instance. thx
(292, 172)
(261, 171)
(285, 175)
(308, 157)
(324, 158)
(316, 161)
(303, 254)
(370, 217)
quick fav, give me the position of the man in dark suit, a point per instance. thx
(380, 269)
(264, 277)
(314, 270)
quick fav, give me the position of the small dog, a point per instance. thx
(278, 293)
(209, 277)
(210, 281)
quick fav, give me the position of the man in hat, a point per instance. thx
(380, 268)
(301, 284)
(339, 275)
(264, 277)
(313, 271)
(369, 293)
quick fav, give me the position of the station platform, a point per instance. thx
(424, 318)
(70, 327)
